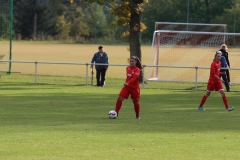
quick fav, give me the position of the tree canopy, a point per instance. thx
(109, 20)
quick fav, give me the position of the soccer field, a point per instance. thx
(71, 122)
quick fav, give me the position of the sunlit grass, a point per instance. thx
(62, 118)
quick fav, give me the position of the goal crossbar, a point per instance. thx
(190, 26)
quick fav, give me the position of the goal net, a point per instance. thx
(203, 27)
(176, 55)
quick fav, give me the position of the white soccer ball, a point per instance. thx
(112, 114)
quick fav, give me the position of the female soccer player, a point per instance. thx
(131, 86)
(225, 54)
(215, 83)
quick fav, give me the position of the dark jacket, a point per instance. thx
(223, 64)
(225, 54)
(96, 59)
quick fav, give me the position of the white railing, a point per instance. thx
(88, 64)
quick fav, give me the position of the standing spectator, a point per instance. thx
(100, 57)
(215, 83)
(131, 86)
(224, 77)
(225, 54)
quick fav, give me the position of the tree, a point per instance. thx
(24, 12)
(54, 18)
(96, 21)
(160, 11)
(129, 13)
(228, 17)
(200, 11)
(4, 25)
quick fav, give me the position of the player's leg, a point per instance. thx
(98, 77)
(103, 72)
(124, 93)
(224, 77)
(210, 87)
(228, 77)
(224, 98)
(204, 98)
(225, 101)
(135, 95)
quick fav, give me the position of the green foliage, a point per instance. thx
(228, 17)
(78, 26)
(4, 19)
(75, 19)
(54, 22)
(4, 26)
(200, 11)
(24, 12)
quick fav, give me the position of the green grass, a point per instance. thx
(69, 121)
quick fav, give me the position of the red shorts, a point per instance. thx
(214, 86)
(126, 91)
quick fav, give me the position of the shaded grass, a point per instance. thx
(54, 121)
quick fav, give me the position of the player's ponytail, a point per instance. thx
(138, 64)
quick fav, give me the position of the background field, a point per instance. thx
(118, 54)
(70, 122)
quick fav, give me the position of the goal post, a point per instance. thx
(6, 21)
(174, 54)
(203, 27)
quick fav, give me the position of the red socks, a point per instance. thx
(225, 101)
(118, 105)
(137, 109)
(204, 98)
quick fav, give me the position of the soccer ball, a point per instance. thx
(112, 114)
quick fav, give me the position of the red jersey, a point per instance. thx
(215, 70)
(132, 76)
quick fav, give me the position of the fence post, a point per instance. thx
(86, 74)
(36, 72)
(196, 79)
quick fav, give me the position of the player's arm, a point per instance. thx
(107, 61)
(134, 77)
(218, 78)
(214, 73)
(93, 60)
(226, 57)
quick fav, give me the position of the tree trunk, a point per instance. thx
(134, 38)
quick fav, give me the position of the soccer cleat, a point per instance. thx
(201, 108)
(230, 109)
(138, 117)
(230, 84)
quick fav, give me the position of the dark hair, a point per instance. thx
(138, 64)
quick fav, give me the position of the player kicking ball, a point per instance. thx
(215, 83)
(131, 86)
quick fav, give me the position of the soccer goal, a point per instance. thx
(203, 27)
(176, 54)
